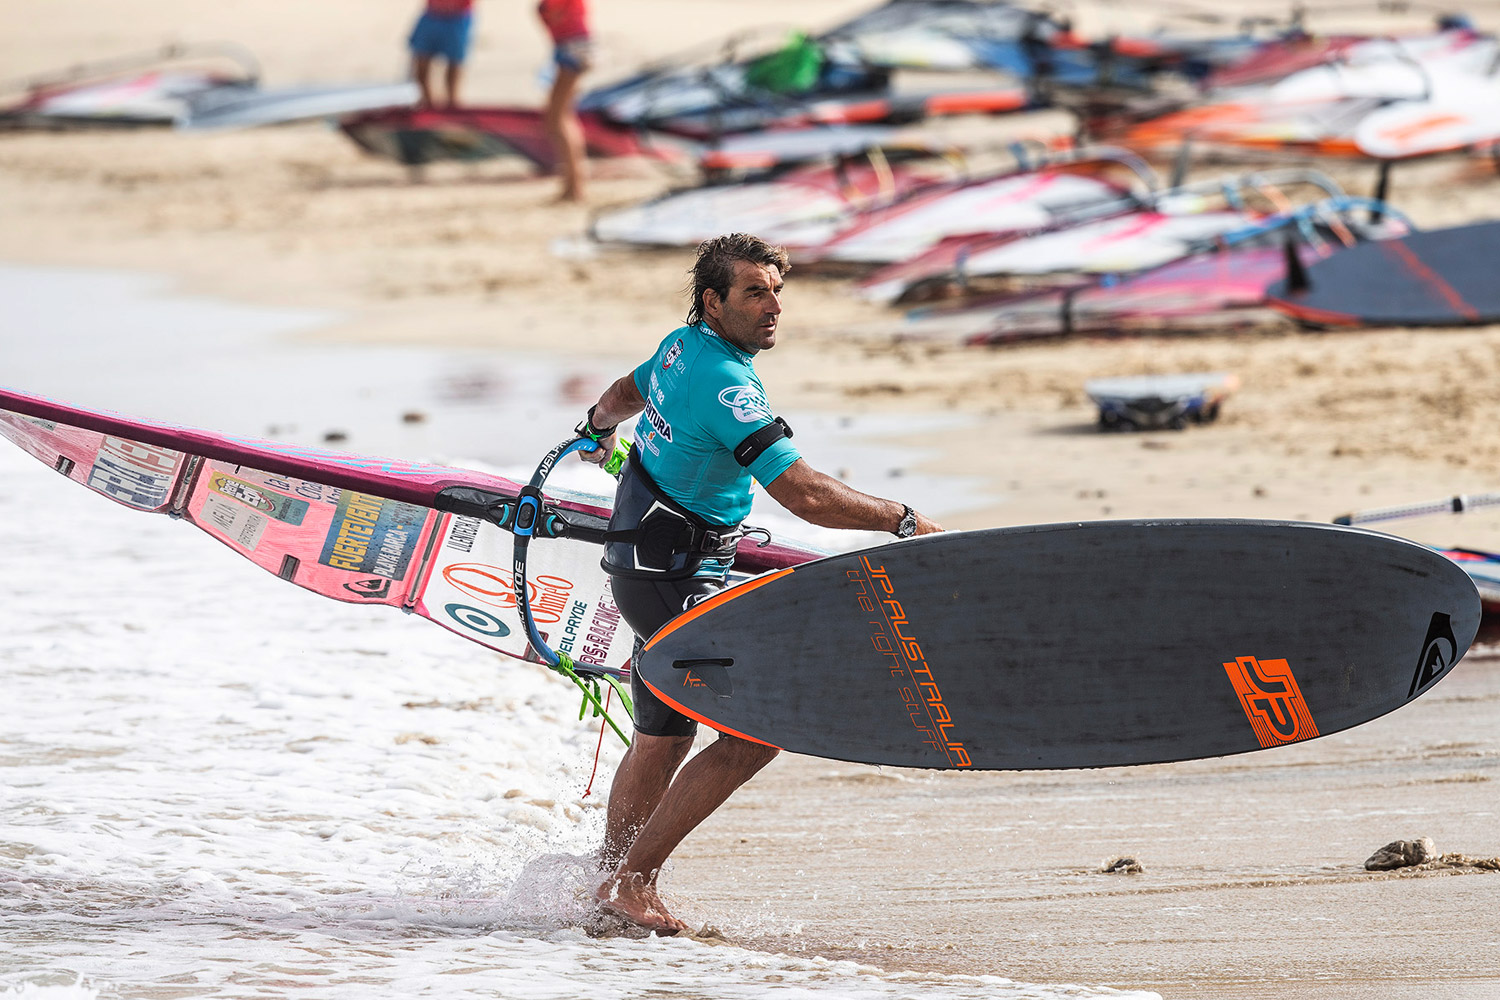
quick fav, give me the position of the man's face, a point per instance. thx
(747, 316)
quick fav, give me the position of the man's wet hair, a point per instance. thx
(714, 267)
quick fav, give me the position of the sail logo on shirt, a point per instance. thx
(748, 403)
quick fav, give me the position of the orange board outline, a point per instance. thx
(721, 597)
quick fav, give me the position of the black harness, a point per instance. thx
(665, 540)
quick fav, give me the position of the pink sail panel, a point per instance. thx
(394, 479)
(358, 529)
(353, 545)
(139, 475)
(343, 544)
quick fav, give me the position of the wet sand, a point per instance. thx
(1253, 884)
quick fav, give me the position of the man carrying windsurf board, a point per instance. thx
(706, 428)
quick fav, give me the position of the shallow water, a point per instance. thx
(216, 785)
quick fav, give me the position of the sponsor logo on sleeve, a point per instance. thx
(1271, 699)
(748, 404)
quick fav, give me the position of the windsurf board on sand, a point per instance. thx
(359, 529)
(418, 136)
(1437, 277)
(1142, 402)
(222, 110)
(1072, 645)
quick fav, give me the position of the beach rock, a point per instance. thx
(1122, 866)
(1401, 854)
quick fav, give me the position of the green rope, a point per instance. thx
(590, 689)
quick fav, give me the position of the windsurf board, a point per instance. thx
(1072, 645)
(1146, 402)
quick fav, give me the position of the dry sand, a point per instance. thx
(1251, 863)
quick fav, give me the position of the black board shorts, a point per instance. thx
(647, 605)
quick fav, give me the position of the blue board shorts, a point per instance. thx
(576, 54)
(445, 35)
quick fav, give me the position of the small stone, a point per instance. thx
(1401, 854)
(1122, 866)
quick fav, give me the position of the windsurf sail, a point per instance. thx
(844, 76)
(1151, 231)
(1462, 111)
(364, 530)
(154, 88)
(1222, 285)
(1439, 277)
(880, 106)
(1319, 107)
(803, 206)
(1038, 192)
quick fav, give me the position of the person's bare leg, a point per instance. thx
(451, 77)
(640, 781)
(566, 133)
(421, 71)
(701, 787)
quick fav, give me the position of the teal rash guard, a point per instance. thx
(702, 399)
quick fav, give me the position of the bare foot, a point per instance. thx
(631, 897)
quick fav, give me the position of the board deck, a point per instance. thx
(1072, 645)
(1438, 277)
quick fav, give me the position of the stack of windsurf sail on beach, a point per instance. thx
(1197, 181)
(205, 87)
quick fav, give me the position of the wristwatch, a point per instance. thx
(908, 525)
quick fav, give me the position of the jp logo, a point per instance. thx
(748, 403)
